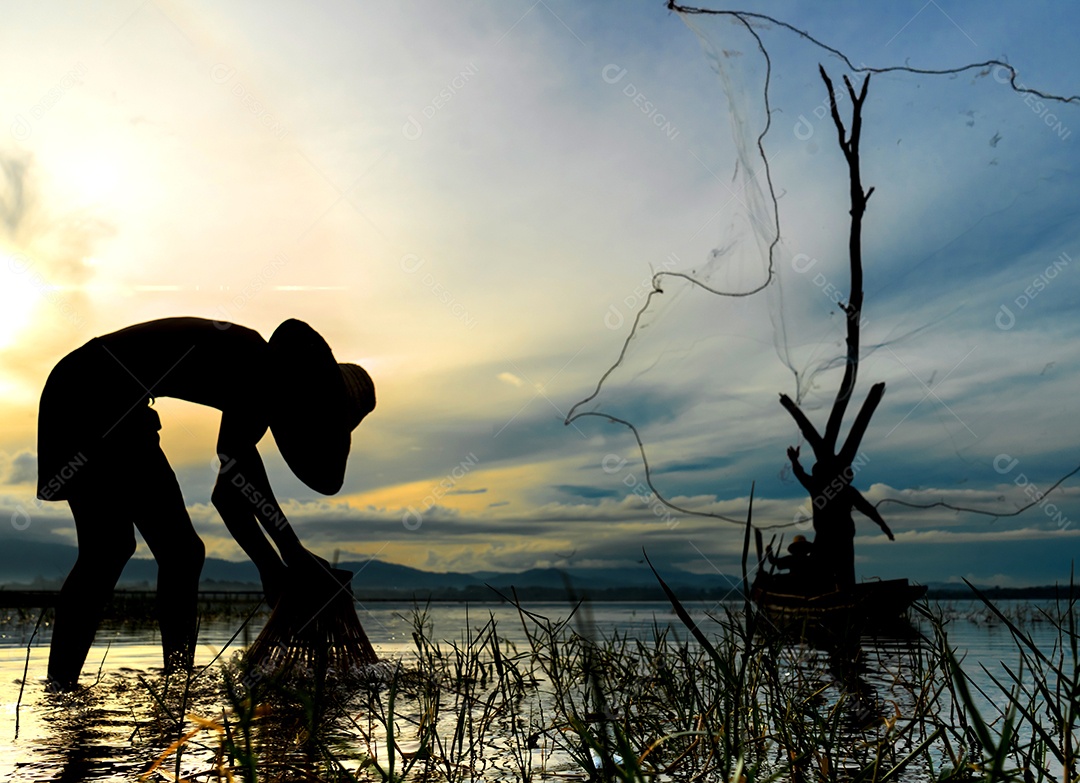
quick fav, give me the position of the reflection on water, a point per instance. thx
(80, 737)
(127, 715)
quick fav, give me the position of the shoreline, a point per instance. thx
(143, 597)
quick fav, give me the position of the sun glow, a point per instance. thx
(89, 178)
(21, 288)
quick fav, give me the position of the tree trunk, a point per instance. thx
(832, 496)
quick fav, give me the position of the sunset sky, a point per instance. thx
(470, 200)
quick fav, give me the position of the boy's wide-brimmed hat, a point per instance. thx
(316, 404)
(799, 545)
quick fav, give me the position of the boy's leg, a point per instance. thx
(106, 543)
(166, 527)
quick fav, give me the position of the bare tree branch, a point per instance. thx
(862, 421)
(806, 427)
(850, 147)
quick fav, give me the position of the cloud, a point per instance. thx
(487, 269)
(23, 469)
(45, 244)
(14, 198)
(585, 491)
(982, 537)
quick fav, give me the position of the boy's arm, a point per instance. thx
(243, 498)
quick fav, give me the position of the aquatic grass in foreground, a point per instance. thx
(1034, 734)
(570, 702)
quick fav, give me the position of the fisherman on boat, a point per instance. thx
(797, 562)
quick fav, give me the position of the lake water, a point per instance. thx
(97, 734)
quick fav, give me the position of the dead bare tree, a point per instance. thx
(830, 482)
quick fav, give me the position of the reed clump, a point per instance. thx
(718, 697)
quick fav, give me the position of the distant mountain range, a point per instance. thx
(43, 566)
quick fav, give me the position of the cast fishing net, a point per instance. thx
(970, 246)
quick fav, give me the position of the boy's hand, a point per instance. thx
(313, 577)
(273, 584)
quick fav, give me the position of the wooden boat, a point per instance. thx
(790, 603)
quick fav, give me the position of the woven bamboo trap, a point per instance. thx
(314, 625)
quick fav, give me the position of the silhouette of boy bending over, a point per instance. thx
(98, 449)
